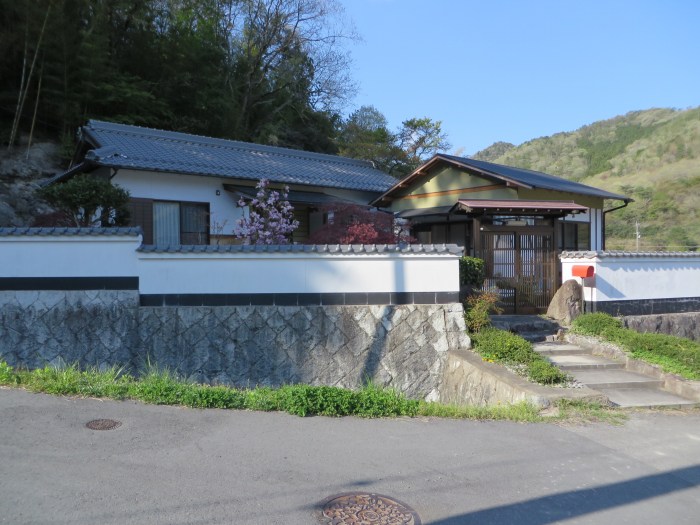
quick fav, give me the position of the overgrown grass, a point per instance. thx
(165, 388)
(673, 354)
(511, 349)
(578, 411)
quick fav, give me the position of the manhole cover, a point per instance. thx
(361, 508)
(103, 424)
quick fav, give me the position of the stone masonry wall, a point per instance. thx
(404, 346)
(682, 325)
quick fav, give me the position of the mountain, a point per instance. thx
(652, 156)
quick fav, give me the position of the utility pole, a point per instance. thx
(639, 234)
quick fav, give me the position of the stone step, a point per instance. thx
(520, 324)
(535, 337)
(556, 348)
(598, 379)
(571, 363)
(646, 398)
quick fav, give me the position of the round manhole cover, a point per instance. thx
(361, 508)
(103, 424)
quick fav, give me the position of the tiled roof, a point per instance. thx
(63, 231)
(516, 176)
(535, 179)
(335, 249)
(134, 147)
(607, 254)
(513, 204)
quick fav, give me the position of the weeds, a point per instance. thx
(673, 354)
(165, 388)
(511, 349)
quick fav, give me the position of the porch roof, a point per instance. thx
(518, 207)
(296, 197)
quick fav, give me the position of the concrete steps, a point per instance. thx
(580, 362)
(622, 387)
(645, 398)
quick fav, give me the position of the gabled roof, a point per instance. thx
(517, 177)
(518, 206)
(138, 148)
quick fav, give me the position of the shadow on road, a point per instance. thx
(571, 504)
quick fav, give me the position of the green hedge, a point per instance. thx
(472, 272)
(508, 348)
(674, 354)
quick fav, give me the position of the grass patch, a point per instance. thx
(522, 412)
(673, 354)
(511, 349)
(163, 387)
(577, 411)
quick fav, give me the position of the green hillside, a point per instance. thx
(652, 156)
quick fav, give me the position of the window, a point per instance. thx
(575, 236)
(180, 223)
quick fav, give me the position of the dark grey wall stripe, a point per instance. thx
(300, 299)
(69, 283)
(646, 306)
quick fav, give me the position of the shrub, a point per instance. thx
(88, 201)
(595, 324)
(7, 374)
(674, 354)
(477, 309)
(472, 272)
(542, 371)
(508, 348)
(500, 345)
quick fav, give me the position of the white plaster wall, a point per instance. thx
(632, 278)
(191, 188)
(283, 273)
(80, 256)
(84, 256)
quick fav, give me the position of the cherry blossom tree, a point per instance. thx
(270, 220)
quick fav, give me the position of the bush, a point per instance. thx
(88, 201)
(508, 348)
(674, 354)
(500, 345)
(477, 309)
(595, 324)
(543, 372)
(472, 272)
(7, 374)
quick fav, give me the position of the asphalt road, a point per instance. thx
(183, 466)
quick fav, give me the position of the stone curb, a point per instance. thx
(491, 383)
(671, 382)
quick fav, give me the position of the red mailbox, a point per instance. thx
(584, 271)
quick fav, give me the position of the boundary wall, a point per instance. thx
(637, 283)
(237, 315)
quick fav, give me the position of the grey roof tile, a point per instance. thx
(335, 249)
(536, 179)
(615, 253)
(65, 231)
(124, 146)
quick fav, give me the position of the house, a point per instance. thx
(517, 220)
(185, 188)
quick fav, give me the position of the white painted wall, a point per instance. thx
(189, 188)
(168, 273)
(296, 273)
(634, 277)
(69, 256)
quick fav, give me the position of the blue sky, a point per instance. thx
(517, 70)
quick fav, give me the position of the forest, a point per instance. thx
(267, 71)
